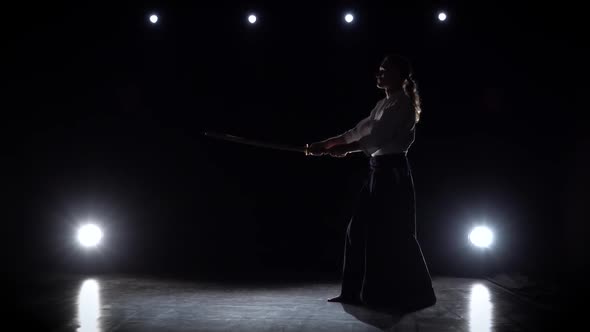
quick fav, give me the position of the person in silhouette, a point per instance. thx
(383, 262)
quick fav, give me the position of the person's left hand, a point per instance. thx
(316, 149)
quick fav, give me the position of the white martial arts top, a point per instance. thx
(390, 128)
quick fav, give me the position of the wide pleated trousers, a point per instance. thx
(383, 263)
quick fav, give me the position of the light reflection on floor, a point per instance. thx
(480, 309)
(152, 304)
(89, 307)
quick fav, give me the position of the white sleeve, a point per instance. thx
(356, 133)
(397, 118)
(360, 130)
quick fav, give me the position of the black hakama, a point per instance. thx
(383, 262)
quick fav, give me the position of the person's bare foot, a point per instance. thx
(344, 299)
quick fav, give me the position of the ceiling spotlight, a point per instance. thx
(154, 18)
(252, 19)
(348, 18)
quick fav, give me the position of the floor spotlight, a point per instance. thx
(481, 237)
(89, 235)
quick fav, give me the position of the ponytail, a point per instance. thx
(409, 86)
(411, 89)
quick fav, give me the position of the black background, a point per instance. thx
(103, 113)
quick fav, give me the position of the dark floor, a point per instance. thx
(141, 304)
